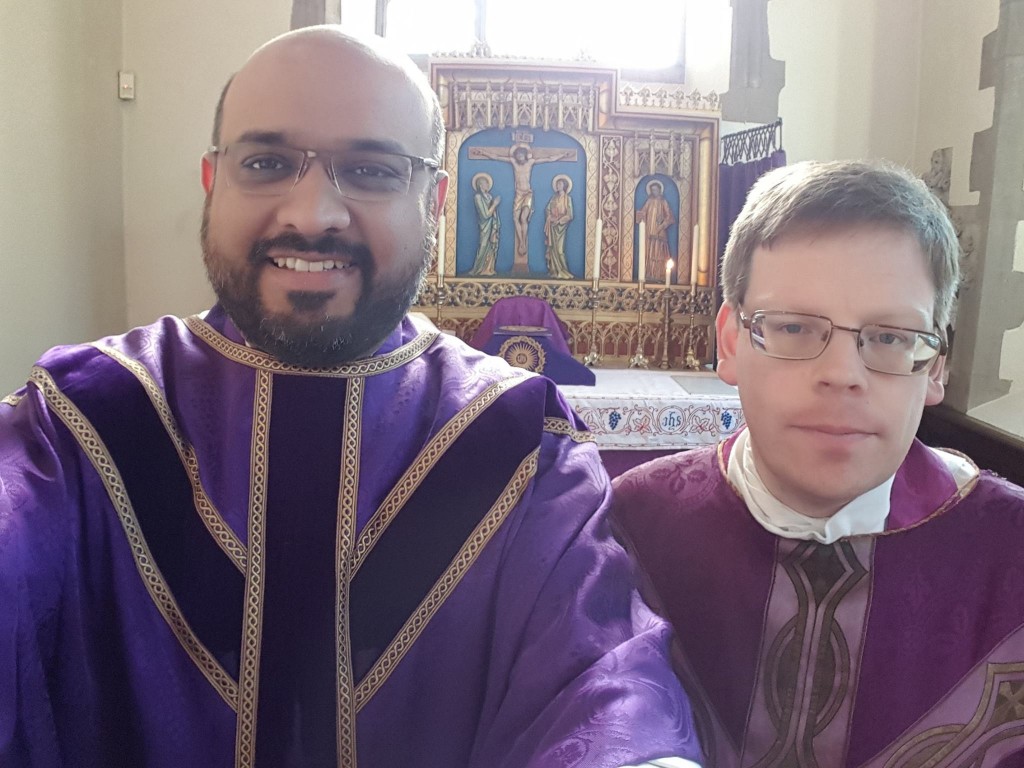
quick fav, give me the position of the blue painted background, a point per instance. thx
(671, 194)
(468, 235)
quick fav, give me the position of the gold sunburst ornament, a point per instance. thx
(523, 352)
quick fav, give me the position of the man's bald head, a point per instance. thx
(320, 269)
(375, 51)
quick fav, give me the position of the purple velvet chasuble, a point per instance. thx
(903, 648)
(211, 558)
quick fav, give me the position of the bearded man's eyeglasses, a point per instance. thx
(258, 168)
(883, 348)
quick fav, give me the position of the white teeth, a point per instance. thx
(301, 265)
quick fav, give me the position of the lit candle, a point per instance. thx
(440, 249)
(668, 272)
(693, 254)
(641, 257)
(597, 253)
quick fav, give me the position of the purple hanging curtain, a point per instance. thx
(745, 157)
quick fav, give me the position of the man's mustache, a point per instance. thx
(325, 245)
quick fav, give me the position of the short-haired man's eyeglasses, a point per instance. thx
(883, 348)
(258, 168)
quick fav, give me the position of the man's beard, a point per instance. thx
(321, 343)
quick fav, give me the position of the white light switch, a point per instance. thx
(126, 85)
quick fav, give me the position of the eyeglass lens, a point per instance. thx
(270, 169)
(883, 348)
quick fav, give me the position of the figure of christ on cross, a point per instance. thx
(522, 158)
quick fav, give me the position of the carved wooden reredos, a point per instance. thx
(537, 155)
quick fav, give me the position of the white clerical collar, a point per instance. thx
(865, 514)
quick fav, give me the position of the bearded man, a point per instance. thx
(304, 529)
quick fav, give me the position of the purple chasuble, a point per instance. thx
(898, 649)
(211, 558)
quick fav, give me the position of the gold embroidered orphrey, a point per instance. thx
(96, 451)
(221, 532)
(243, 696)
(351, 554)
(998, 717)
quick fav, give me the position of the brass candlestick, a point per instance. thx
(593, 357)
(639, 360)
(691, 363)
(666, 330)
(442, 297)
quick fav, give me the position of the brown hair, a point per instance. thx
(822, 196)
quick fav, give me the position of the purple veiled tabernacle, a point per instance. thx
(904, 648)
(523, 311)
(209, 559)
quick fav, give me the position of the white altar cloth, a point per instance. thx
(644, 410)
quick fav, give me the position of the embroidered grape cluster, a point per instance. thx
(726, 419)
(613, 419)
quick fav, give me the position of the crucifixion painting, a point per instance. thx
(522, 158)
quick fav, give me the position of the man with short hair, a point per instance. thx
(843, 595)
(305, 529)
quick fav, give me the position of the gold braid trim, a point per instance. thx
(421, 466)
(96, 451)
(348, 499)
(221, 532)
(252, 622)
(450, 579)
(12, 399)
(557, 426)
(253, 358)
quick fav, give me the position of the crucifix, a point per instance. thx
(522, 158)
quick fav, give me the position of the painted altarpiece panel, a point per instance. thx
(521, 134)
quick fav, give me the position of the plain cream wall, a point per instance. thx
(951, 107)
(1012, 362)
(852, 75)
(708, 36)
(182, 53)
(60, 190)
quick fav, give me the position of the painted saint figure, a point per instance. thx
(522, 158)
(657, 218)
(489, 225)
(556, 223)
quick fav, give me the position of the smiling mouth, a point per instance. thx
(297, 264)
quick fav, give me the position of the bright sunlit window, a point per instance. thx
(640, 34)
(441, 26)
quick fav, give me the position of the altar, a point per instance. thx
(594, 199)
(592, 194)
(636, 415)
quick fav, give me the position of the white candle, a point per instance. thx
(597, 253)
(668, 272)
(641, 257)
(440, 249)
(693, 254)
